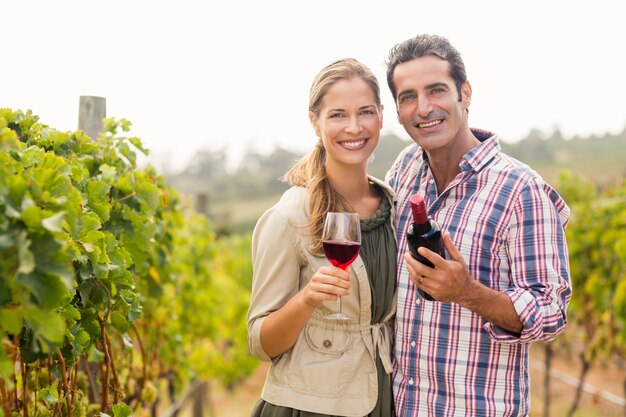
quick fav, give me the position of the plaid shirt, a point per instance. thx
(509, 226)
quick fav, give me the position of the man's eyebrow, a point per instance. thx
(407, 91)
(428, 87)
(437, 84)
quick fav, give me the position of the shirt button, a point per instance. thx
(327, 343)
(417, 302)
(413, 343)
(411, 382)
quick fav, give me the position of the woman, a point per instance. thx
(321, 367)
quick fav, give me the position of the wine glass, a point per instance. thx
(341, 240)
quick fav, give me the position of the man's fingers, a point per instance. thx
(452, 250)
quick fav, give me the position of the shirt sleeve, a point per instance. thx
(539, 261)
(275, 273)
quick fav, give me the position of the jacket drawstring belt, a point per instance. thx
(381, 335)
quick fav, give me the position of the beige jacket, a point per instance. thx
(331, 369)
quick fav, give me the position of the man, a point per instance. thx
(505, 280)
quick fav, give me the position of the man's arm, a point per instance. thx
(540, 287)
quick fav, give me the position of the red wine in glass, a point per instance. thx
(341, 241)
(341, 254)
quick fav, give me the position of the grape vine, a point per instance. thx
(110, 286)
(596, 237)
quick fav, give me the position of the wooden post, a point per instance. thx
(198, 400)
(91, 111)
(202, 203)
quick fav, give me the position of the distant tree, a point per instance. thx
(208, 164)
(386, 153)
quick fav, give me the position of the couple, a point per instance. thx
(503, 283)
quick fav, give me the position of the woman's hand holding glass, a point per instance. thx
(328, 283)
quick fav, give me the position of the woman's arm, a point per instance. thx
(281, 328)
(279, 309)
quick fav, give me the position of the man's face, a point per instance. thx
(428, 103)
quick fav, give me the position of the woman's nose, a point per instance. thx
(353, 125)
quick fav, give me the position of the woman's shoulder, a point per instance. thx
(292, 205)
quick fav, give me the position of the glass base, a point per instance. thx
(338, 317)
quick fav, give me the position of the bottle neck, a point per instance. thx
(422, 228)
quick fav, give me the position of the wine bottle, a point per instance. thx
(423, 232)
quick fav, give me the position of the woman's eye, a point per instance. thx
(336, 115)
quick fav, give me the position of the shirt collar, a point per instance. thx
(478, 156)
(481, 154)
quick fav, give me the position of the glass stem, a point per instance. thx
(338, 304)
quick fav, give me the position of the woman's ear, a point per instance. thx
(380, 111)
(314, 124)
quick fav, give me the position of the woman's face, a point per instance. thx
(349, 122)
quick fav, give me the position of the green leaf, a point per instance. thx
(121, 410)
(139, 145)
(81, 342)
(98, 198)
(32, 216)
(49, 290)
(56, 371)
(49, 395)
(54, 223)
(26, 257)
(6, 241)
(6, 365)
(11, 320)
(71, 313)
(150, 194)
(128, 344)
(95, 355)
(45, 324)
(119, 322)
(108, 172)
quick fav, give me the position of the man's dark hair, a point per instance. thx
(421, 46)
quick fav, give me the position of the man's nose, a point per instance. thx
(424, 107)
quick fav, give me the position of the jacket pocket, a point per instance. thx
(323, 363)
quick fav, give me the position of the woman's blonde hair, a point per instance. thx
(310, 171)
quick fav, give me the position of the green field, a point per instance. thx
(240, 216)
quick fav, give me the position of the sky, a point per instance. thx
(235, 75)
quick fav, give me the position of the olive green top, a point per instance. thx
(379, 253)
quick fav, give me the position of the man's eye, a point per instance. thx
(407, 97)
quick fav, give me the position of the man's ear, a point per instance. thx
(314, 124)
(466, 94)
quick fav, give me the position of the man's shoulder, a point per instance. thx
(410, 154)
(524, 178)
(514, 168)
(408, 157)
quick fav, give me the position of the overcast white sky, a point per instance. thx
(233, 74)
